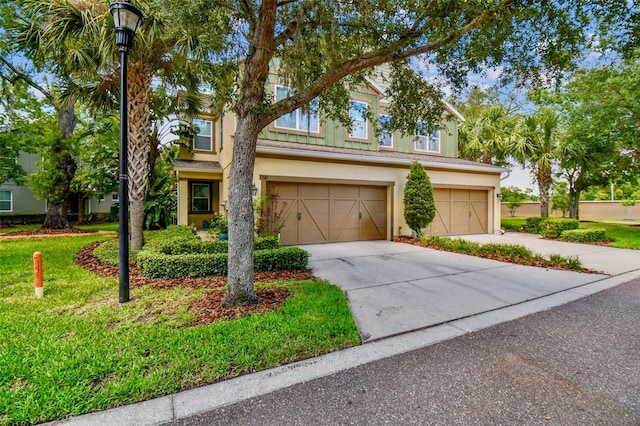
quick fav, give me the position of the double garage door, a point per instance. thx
(320, 213)
(460, 211)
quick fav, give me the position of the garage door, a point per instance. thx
(321, 213)
(460, 212)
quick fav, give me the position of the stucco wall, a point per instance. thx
(272, 168)
(588, 209)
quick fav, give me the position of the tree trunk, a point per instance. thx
(56, 217)
(241, 219)
(574, 204)
(544, 185)
(136, 217)
(139, 95)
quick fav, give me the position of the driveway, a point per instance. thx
(394, 288)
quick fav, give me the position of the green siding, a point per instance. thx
(333, 134)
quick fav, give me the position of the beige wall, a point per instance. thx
(392, 177)
(588, 210)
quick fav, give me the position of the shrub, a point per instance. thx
(156, 239)
(269, 215)
(573, 262)
(215, 246)
(533, 225)
(178, 245)
(508, 251)
(282, 259)
(511, 226)
(552, 228)
(181, 245)
(159, 265)
(583, 235)
(419, 205)
(266, 242)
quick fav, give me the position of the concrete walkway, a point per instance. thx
(415, 295)
(611, 261)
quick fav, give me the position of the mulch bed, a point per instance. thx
(40, 232)
(209, 308)
(537, 263)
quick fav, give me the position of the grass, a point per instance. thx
(77, 350)
(623, 235)
(106, 226)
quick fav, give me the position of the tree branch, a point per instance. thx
(31, 82)
(391, 53)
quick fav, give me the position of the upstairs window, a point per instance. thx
(203, 140)
(6, 201)
(200, 197)
(306, 121)
(425, 140)
(358, 115)
(385, 136)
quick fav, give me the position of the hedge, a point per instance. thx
(552, 228)
(188, 245)
(584, 235)
(158, 265)
(533, 225)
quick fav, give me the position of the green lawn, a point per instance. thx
(77, 350)
(624, 235)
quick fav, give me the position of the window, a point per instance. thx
(304, 120)
(200, 197)
(358, 115)
(6, 201)
(386, 134)
(425, 140)
(115, 197)
(203, 140)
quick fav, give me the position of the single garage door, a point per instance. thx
(321, 213)
(460, 212)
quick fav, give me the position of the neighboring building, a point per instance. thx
(341, 185)
(19, 199)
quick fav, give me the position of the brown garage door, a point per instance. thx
(460, 212)
(320, 213)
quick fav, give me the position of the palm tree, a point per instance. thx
(538, 148)
(80, 36)
(486, 134)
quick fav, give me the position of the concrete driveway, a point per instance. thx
(395, 288)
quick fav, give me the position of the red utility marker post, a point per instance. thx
(37, 273)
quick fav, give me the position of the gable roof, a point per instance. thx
(377, 81)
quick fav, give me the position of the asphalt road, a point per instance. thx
(577, 364)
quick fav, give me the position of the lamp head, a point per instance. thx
(126, 20)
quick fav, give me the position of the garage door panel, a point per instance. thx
(314, 220)
(332, 212)
(289, 232)
(373, 193)
(345, 191)
(479, 217)
(344, 220)
(460, 211)
(372, 226)
(308, 190)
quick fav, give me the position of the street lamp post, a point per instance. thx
(126, 19)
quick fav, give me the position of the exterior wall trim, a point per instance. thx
(333, 156)
(272, 178)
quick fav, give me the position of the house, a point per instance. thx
(18, 204)
(338, 184)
